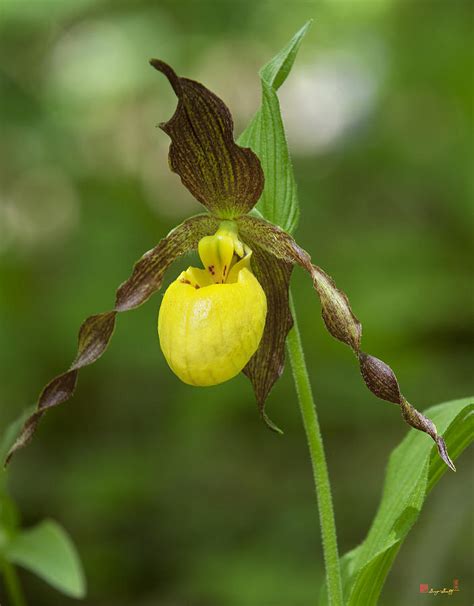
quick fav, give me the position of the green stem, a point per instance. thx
(12, 584)
(318, 461)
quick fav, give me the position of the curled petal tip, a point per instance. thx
(169, 72)
(443, 453)
(160, 65)
(271, 425)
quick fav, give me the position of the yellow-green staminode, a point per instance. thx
(211, 320)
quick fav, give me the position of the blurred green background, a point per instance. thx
(177, 495)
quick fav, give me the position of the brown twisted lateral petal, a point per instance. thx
(96, 331)
(267, 364)
(226, 178)
(342, 323)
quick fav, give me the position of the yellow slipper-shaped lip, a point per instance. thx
(208, 334)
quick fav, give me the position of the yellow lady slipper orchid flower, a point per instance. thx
(227, 316)
(211, 320)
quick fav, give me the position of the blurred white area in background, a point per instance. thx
(39, 211)
(97, 61)
(92, 61)
(41, 12)
(97, 81)
(102, 89)
(105, 93)
(323, 102)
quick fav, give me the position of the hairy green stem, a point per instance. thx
(12, 584)
(318, 461)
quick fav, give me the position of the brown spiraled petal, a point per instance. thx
(226, 178)
(25, 435)
(336, 310)
(443, 452)
(417, 420)
(148, 271)
(379, 378)
(58, 390)
(267, 364)
(273, 239)
(94, 335)
(96, 331)
(341, 323)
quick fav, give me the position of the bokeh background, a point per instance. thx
(177, 495)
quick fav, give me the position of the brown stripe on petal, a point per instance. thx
(96, 331)
(226, 178)
(341, 322)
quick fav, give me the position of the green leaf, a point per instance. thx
(47, 551)
(9, 521)
(265, 135)
(413, 470)
(275, 72)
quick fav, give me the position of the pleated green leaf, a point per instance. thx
(47, 551)
(265, 135)
(413, 470)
